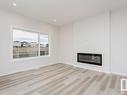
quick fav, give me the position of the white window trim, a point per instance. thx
(30, 58)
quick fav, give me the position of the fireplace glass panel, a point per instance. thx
(90, 58)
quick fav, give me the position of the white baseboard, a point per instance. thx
(8, 73)
(17, 71)
(89, 68)
(108, 72)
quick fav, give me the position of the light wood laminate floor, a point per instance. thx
(60, 79)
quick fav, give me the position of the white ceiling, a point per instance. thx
(65, 11)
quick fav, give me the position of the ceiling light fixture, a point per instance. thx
(54, 20)
(14, 4)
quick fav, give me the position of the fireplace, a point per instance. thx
(90, 58)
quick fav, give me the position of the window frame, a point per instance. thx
(48, 44)
(32, 31)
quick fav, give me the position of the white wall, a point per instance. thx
(7, 65)
(119, 41)
(104, 33)
(66, 44)
(90, 35)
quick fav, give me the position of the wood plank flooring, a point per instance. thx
(60, 79)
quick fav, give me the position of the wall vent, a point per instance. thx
(123, 85)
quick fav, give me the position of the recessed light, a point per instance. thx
(14, 4)
(54, 20)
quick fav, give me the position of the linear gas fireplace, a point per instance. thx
(90, 58)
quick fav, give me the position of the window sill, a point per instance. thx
(30, 58)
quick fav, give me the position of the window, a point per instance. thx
(44, 47)
(29, 44)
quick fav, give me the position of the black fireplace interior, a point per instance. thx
(90, 58)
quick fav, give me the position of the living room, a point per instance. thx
(45, 40)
